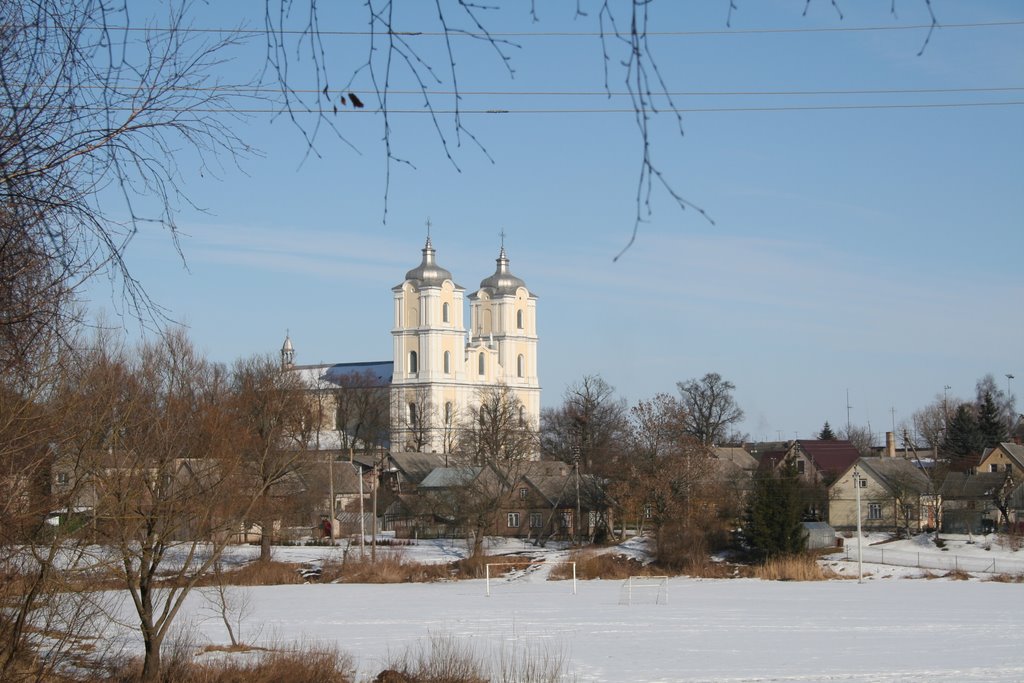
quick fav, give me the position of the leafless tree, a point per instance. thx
(671, 478)
(710, 408)
(591, 422)
(361, 403)
(94, 103)
(862, 438)
(929, 424)
(496, 430)
(270, 410)
(159, 464)
(415, 411)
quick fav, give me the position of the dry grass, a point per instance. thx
(793, 568)
(476, 567)
(389, 568)
(303, 664)
(1007, 578)
(957, 575)
(260, 574)
(593, 565)
(442, 658)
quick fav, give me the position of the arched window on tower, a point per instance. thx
(522, 416)
(448, 413)
(444, 312)
(480, 363)
(414, 365)
(519, 319)
(413, 415)
(520, 363)
(447, 362)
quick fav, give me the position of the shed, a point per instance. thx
(819, 535)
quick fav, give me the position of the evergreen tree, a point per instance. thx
(990, 421)
(826, 433)
(773, 525)
(964, 439)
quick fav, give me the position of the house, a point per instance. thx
(978, 503)
(540, 506)
(1006, 457)
(403, 472)
(817, 461)
(894, 495)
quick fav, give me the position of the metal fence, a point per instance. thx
(933, 560)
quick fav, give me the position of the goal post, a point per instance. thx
(526, 567)
(644, 590)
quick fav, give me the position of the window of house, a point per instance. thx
(519, 319)
(1009, 467)
(648, 511)
(480, 363)
(874, 510)
(536, 520)
(523, 493)
(520, 363)
(447, 362)
(566, 519)
(444, 312)
(800, 466)
(413, 417)
(863, 483)
(993, 467)
(413, 363)
(62, 478)
(513, 520)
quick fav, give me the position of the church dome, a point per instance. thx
(503, 281)
(428, 273)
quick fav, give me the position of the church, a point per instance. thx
(441, 367)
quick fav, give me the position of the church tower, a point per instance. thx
(429, 350)
(503, 335)
(438, 374)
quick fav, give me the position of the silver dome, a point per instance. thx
(503, 281)
(428, 273)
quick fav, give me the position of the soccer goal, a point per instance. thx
(644, 590)
(521, 570)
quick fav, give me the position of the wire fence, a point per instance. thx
(932, 560)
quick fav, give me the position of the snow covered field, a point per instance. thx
(886, 629)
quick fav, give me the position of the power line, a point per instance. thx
(697, 110)
(562, 34)
(569, 93)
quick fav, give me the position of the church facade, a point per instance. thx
(442, 367)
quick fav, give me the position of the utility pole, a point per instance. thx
(860, 539)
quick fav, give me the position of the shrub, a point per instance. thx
(792, 568)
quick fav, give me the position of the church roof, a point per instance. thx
(380, 371)
(502, 281)
(428, 273)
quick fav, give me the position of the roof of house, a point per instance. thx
(964, 486)
(416, 466)
(833, 456)
(896, 474)
(448, 477)
(737, 456)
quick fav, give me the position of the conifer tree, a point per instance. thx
(990, 421)
(964, 439)
(826, 433)
(773, 519)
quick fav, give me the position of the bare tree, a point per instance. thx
(162, 473)
(497, 431)
(270, 408)
(929, 424)
(710, 408)
(361, 405)
(92, 102)
(417, 415)
(672, 476)
(591, 422)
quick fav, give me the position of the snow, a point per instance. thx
(885, 629)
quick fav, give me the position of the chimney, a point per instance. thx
(890, 444)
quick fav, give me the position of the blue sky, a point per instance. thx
(869, 250)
